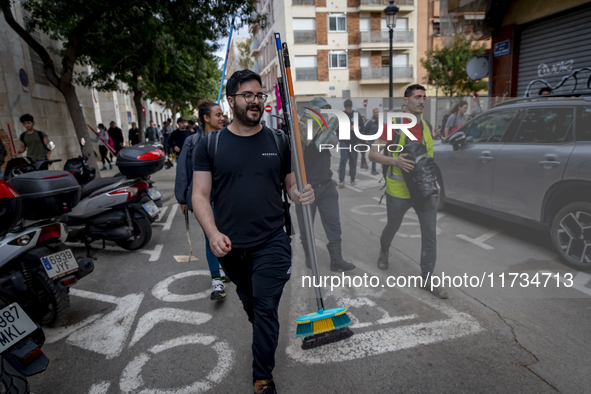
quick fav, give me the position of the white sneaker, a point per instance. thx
(218, 292)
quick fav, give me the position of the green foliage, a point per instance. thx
(245, 62)
(447, 66)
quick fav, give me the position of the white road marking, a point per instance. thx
(100, 388)
(385, 340)
(107, 335)
(162, 213)
(184, 259)
(58, 333)
(154, 254)
(361, 209)
(168, 224)
(480, 240)
(150, 319)
(579, 282)
(161, 291)
(360, 302)
(131, 379)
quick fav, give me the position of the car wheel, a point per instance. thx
(571, 234)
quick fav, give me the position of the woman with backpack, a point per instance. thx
(212, 118)
(455, 118)
(103, 138)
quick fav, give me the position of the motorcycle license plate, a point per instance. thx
(154, 193)
(151, 208)
(60, 263)
(14, 326)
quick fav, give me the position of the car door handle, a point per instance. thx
(549, 163)
(485, 155)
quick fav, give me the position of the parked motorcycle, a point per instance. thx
(122, 208)
(20, 349)
(36, 267)
(23, 165)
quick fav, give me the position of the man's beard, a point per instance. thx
(244, 117)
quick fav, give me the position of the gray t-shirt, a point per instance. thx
(454, 120)
(35, 145)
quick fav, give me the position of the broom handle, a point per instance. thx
(300, 170)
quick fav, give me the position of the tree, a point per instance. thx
(246, 62)
(82, 18)
(166, 56)
(447, 66)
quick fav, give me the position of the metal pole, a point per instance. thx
(226, 61)
(391, 71)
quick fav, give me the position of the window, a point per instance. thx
(584, 124)
(364, 24)
(545, 126)
(337, 23)
(306, 68)
(490, 128)
(365, 60)
(338, 60)
(398, 60)
(401, 24)
(436, 28)
(304, 23)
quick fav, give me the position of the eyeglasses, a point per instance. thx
(249, 97)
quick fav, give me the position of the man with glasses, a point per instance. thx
(245, 169)
(398, 199)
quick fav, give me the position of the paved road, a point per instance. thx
(143, 322)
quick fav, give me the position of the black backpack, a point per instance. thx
(281, 143)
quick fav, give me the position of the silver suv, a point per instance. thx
(527, 161)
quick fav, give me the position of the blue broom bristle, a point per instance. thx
(304, 330)
(341, 321)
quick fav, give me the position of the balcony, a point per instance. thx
(256, 67)
(384, 36)
(401, 74)
(307, 74)
(304, 36)
(383, 3)
(303, 2)
(254, 46)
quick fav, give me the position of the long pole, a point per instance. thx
(300, 170)
(11, 140)
(391, 70)
(226, 61)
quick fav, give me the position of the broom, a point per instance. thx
(325, 325)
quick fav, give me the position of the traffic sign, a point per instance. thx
(365, 103)
(143, 110)
(268, 108)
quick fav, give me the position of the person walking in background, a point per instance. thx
(116, 135)
(192, 127)
(177, 138)
(371, 128)
(455, 118)
(319, 175)
(398, 199)
(210, 115)
(33, 141)
(166, 133)
(103, 139)
(348, 153)
(152, 132)
(134, 134)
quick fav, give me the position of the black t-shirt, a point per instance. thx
(246, 185)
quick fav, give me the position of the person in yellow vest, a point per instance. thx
(398, 199)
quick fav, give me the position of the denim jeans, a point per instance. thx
(350, 157)
(427, 213)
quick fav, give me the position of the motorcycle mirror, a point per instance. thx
(82, 141)
(50, 145)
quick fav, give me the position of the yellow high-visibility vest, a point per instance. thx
(395, 184)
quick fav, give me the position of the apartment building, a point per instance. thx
(340, 48)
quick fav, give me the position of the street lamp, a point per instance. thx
(391, 12)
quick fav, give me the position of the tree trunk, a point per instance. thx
(80, 125)
(137, 100)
